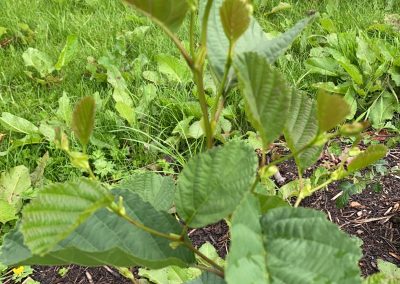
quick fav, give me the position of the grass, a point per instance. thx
(99, 24)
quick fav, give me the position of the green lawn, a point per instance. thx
(108, 28)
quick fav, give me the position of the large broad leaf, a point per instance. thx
(107, 239)
(382, 110)
(68, 52)
(83, 119)
(213, 183)
(174, 68)
(13, 183)
(301, 128)
(7, 212)
(266, 95)
(304, 247)
(249, 258)
(235, 18)
(332, 110)
(158, 190)
(208, 278)
(368, 157)
(323, 65)
(254, 39)
(17, 124)
(169, 13)
(38, 60)
(58, 210)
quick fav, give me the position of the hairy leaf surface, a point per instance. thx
(254, 39)
(107, 239)
(213, 183)
(158, 190)
(246, 263)
(170, 13)
(58, 210)
(266, 95)
(304, 247)
(301, 128)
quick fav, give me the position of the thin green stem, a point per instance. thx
(255, 183)
(322, 185)
(143, 227)
(219, 102)
(199, 80)
(203, 256)
(180, 240)
(204, 24)
(191, 34)
(209, 269)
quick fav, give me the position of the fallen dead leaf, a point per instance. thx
(355, 204)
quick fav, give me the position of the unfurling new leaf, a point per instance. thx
(235, 18)
(83, 119)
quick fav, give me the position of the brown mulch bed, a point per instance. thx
(78, 275)
(372, 216)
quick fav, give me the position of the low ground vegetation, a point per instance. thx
(94, 89)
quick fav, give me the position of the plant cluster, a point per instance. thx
(130, 223)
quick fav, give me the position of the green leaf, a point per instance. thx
(332, 110)
(282, 6)
(13, 184)
(212, 184)
(209, 250)
(367, 157)
(302, 128)
(249, 258)
(303, 247)
(83, 119)
(268, 202)
(352, 70)
(68, 52)
(170, 274)
(158, 190)
(382, 110)
(207, 278)
(254, 39)
(126, 112)
(168, 13)
(7, 212)
(266, 95)
(58, 210)
(235, 18)
(38, 60)
(389, 274)
(17, 124)
(64, 110)
(116, 80)
(174, 68)
(326, 66)
(110, 242)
